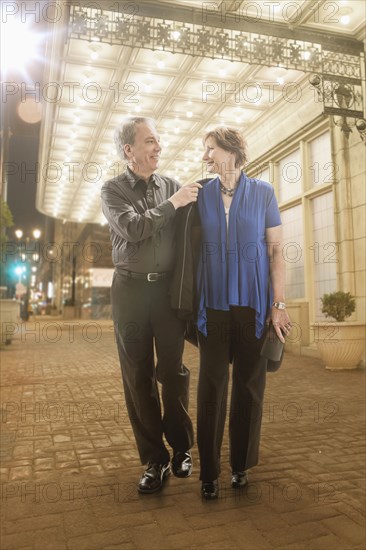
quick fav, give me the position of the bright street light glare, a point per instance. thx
(18, 45)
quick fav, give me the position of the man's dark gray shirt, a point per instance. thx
(141, 221)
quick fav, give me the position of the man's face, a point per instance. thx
(144, 154)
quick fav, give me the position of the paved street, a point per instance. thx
(69, 466)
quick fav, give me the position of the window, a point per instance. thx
(264, 175)
(293, 252)
(321, 166)
(303, 181)
(324, 249)
(290, 176)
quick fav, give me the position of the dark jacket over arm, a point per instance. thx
(188, 244)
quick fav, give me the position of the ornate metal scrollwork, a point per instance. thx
(336, 74)
(218, 43)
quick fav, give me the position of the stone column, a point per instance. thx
(343, 210)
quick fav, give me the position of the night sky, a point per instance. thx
(22, 186)
(23, 144)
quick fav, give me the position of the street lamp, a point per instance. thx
(19, 270)
(26, 272)
(20, 45)
(342, 98)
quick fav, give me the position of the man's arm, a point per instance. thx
(134, 227)
(127, 223)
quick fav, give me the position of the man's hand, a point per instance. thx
(185, 195)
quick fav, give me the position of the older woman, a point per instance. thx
(240, 287)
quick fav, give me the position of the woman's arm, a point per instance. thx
(279, 317)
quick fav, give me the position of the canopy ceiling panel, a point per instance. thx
(189, 68)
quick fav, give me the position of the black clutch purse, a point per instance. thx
(272, 349)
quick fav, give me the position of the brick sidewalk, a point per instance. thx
(70, 468)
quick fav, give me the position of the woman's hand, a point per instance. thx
(281, 322)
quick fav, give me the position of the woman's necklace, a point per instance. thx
(227, 190)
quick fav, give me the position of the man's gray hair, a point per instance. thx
(125, 133)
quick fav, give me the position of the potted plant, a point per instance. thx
(340, 343)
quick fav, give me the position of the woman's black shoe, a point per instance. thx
(210, 490)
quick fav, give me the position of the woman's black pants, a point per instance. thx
(230, 338)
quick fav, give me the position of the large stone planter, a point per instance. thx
(340, 345)
(69, 312)
(10, 317)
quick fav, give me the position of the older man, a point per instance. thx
(140, 207)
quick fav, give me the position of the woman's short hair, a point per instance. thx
(125, 132)
(230, 139)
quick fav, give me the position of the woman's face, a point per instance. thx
(218, 161)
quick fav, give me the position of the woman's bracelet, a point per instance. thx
(279, 305)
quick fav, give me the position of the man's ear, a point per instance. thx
(127, 150)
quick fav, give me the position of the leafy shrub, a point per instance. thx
(338, 305)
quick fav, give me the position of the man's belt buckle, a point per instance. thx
(153, 277)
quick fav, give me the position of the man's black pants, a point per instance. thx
(230, 336)
(142, 315)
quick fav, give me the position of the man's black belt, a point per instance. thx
(149, 277)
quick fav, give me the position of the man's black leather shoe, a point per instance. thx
(210, 490)
(153, 477)
(182, 463)
(239, 479)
